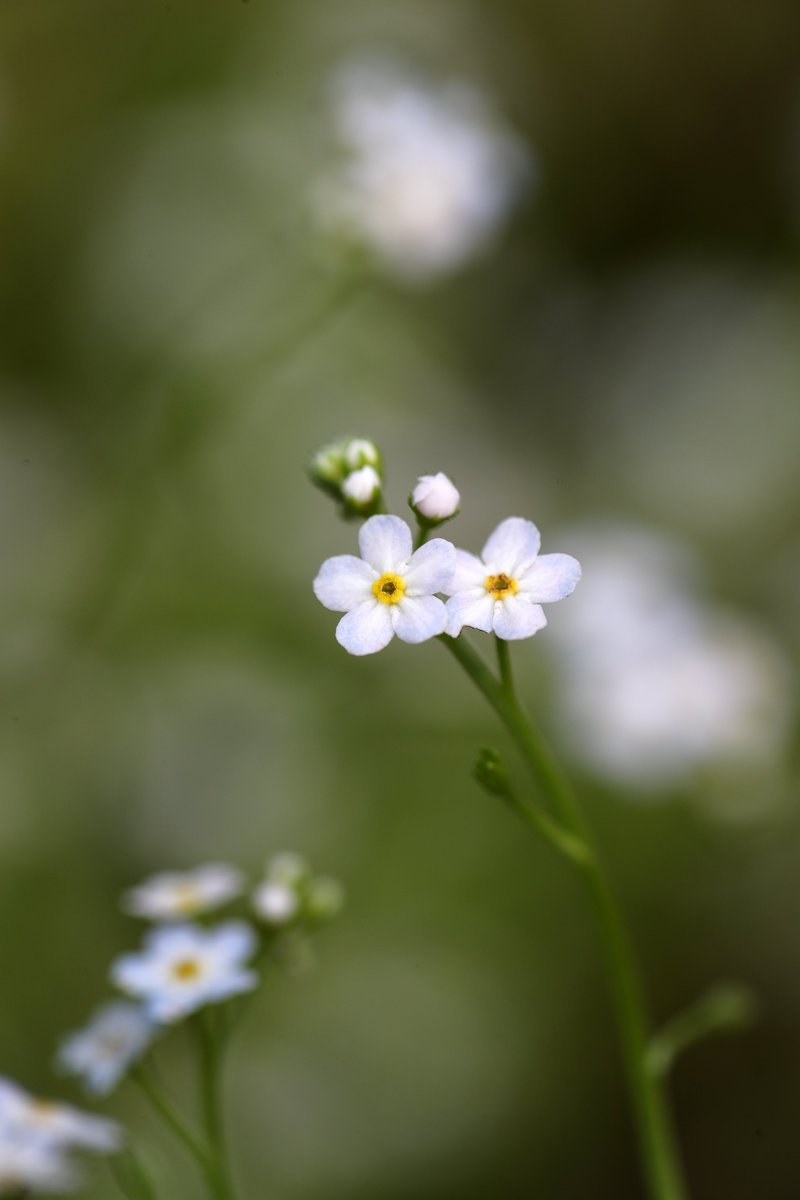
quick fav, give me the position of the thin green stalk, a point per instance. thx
(173, 1119)
(658, 1149)
(211, 1060)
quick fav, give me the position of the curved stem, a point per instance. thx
(171, 1117)
(657, 1145)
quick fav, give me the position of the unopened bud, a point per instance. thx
(360, 452)
(491, 774)
(362, 488)
(435, 499)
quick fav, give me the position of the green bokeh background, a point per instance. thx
(172, 692)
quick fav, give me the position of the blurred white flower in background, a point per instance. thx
(172, 894)
(656, 683)
(37, 1138)
(100, 1053)
(429, 175)
(29, 1165)
(57, 1125)
(183, 967)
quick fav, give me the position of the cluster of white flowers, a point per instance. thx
(38, 1139)
(655, 682)
(392, 588)
(429, 172)
(184, 965)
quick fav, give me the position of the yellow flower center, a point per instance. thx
(186, 897)
(501, 586)
(389, 589)
(186, 969)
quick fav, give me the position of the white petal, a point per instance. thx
(343, 582)
(431, 568)
(552, 577)
(470, 573)
(385, 542)
(512, 547)
(231, 984)
(474, 608)
(233, 940)
(366, 629)
(515, 617)
(417, 618)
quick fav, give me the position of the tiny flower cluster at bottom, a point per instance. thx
(40, 1138)
(184, 964)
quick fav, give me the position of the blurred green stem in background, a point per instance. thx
(725, 1008)
(211, 1047)
(658, 1148)
(169, 1114)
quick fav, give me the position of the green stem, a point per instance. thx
(171, 1117)
(657, 1145)
(211, 1059)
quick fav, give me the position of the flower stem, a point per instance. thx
(171, 1117)
(658, 1149)
(211, 1058)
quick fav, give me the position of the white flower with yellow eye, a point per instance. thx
(101, 1053)
(172, 894)
(503, 592)
(389, 590)
(183, 967)
(51, 1124)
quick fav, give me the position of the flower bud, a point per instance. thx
(362, 488)
(435, 499)
(360, 452)
(276, 903)
(325, 898)
(339, 469)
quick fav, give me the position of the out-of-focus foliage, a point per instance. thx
(625, 353)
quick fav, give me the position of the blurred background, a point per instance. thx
(618, 360)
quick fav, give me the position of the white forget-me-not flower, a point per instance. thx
(100, 1053)
(55, 1125)
(172, 895)
(389, 590)
(429, 172)
(504, 591)
(183, 967)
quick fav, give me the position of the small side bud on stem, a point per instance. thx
(490, 772)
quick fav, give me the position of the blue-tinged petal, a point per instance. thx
(470, 573)
(366, 629)
(551, 577)
(431, 568)
(516, 617)
(417, 618)
(474, 608)
(512, 547)
(343, 582)
(385, 543)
